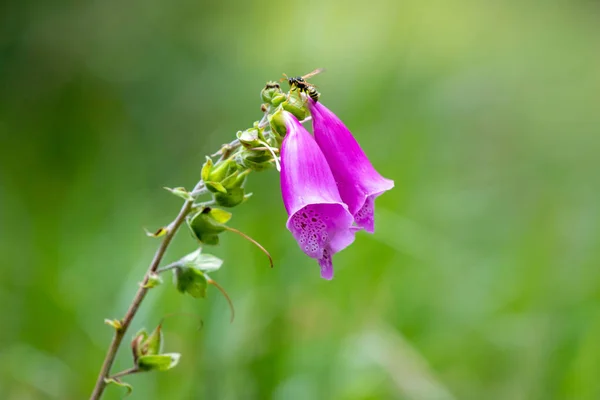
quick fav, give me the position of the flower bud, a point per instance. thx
(270, 90)
(207, 224)
(296, 106)
(255, 160)
(277, 123)
(235, 192)
(277, 100)
(249, 138)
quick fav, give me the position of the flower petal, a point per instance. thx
(318, 219)
(358, 181)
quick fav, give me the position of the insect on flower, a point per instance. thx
(299, 82)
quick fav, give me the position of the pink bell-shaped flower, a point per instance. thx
(318, 218)
(357, 181)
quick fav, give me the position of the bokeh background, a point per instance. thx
(481, 282)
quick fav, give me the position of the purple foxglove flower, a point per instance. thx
(318, 219)
(358, 182)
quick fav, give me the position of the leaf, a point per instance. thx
(119, 383)
(115, 323)
(215, 187)
(158, 362)
(181, 192)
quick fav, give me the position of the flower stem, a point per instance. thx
(139, 297)
(129, 371)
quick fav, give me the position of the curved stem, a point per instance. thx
(129, 371)
(139, 297)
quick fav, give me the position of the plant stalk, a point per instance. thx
(137, 300)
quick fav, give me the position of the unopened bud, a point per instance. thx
(296, 106)
(277, 122)
(270, 90)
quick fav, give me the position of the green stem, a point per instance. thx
(137, 300)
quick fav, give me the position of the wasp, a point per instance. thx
(299, 82)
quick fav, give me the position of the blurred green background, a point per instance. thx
(481, 282)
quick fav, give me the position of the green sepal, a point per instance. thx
(249, 138)
(210, 239)
(202, 261)
(154, 280)
(278, 99)
(219, 171)
(206, 169)
(119, 383)
(153, 343)
(296, 106)
(158, 362)
(255, 160)
(191, 281)
(159, 232)
(215, 187)
(271, 89)
(115, 323)
(234, 197)
(137, 344)
(277, 123)
(181, 192)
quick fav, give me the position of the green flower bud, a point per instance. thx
(296, 106)
(255, 160)
(219, 171)
(270, 90)
(207, 224)
(249, 138)
(233, 197)
(277, 100)
(277, 123)
(235, 192)
(191, 281)
(206, 169)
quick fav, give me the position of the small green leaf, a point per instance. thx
(158, 362)
(119, 383)
(181, 192)
(215, 187)
(206, 168)
(153, 281)
(191, 281)
(115, 323)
